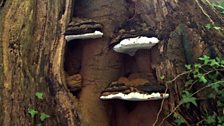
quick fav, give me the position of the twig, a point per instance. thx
(203, 11)
(162, 103)
(161, 108)
(178, 76)
(182, 103)
(206, 87)
(170, 114)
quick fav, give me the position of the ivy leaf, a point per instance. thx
(188, 82)
(188, 67)
(219, 7)
(222, 63)
(220, 119)
(218, 59)
(217, 28)
(39, 124)
(162, 77)
(197, 66)
(32, 112)
(213, 76)
(43, 116)
(212, 26)
(39, 95)
(203, 79)
(188, 98)
(214, 63)
(212, 95)
(205, 58)
(215, 86)
(210, 119)
(209, 26)
(179, 121)
(222, 4)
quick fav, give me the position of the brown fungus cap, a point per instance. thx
(136, 89)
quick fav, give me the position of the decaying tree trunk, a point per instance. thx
(34, 55)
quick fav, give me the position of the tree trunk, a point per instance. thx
(35, 57)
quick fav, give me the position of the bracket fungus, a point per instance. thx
(131, 92)
(96, 34)
(81, 28)
(135, 96)
(131, 45)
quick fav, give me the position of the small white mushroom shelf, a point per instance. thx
(134, 90)
(131, 45)
(136, 96)
(93, 35)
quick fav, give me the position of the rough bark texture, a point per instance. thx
(32, 51)
(32, 57)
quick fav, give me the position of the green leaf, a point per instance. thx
(209, 26)
(212, 95)
(203, 79)
(222, 62)
(162, 77)
(43, 116)
(212, 26)
(197, 75)
(205, 59)
(220, 119)
(213, 76)
(222, 4)
(217, 28)
(197, 66)
(39, 95)
(32, 112)
(188, 82)
(214, 63)
(188, 98)
(39, 124)
(219, 7)
(215, 86)
(179, 121)
(188, 67)
(211, 119)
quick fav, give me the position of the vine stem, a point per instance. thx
(206, 87)
(182, 103)
(161, 108)
(178, 76)
(170, 114)
(203, 11)
(208, 72)
(162, 103)
(174, 79)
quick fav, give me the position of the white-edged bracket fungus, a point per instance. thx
(144, 92)
(94, 35)
(136, 96)
(131, 45)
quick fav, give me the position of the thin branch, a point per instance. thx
(161, 108)
(178, 76)
(170, 114)
(203, 11)
(191, 95)
(209, 85)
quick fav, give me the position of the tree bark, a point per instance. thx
(32, 54)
